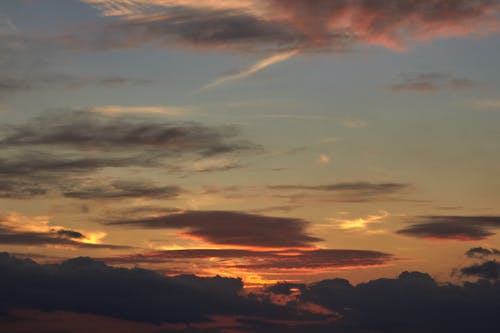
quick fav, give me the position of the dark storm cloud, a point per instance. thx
(429, 82)
(464, 228)
(265, 260)
(481, 252)
(348, 191)
(231, 228)
(487, 270)
(285, 24)
(123, 190)
(87, 286)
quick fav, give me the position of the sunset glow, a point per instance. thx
(249, 166)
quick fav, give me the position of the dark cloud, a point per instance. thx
(348, 191)
(268, 261)
(123, 190)
(481, 252)
(429, 82)
(43, 81)
(14, 232)
(487, 270)
(231, 228)
(89, 131)
(463, 228)
(20, 189)
(87, 142)
(414, 302)
(70, 234)
(188, 26)
(87, 286)
(65, 238)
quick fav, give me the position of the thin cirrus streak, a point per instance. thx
(119, 109)
(257, 67)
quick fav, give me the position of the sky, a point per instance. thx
(294, 158)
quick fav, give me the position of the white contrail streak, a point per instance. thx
(257, 67)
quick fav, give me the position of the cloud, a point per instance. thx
(281, 27)
(38, 81)
(354, 123)
(481, 252)
(89, 131)
(88, 142)
(287, 24)
(413, 302)
(279, 263)
(487, 270)
(16, 229)
(84, 285)
(257, 67)
(120, 109)
(20, 189)
(430, 82)
(231, 228)
(361, 191)
(359, 223)
(123, 190)
(461, 228)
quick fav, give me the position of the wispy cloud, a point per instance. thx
(431, 82)
(121, 109)
(257, 67)
(358, 223)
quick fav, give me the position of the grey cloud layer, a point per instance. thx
(465, 228)
(87, 143)
(85, 130)
(430, 82)
(349, 191)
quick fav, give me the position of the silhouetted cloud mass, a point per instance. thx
(413, 302)
(464, 228)
(61, 238)
(88, 286)
(231, 228)
(481, 252)
(487, 270)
